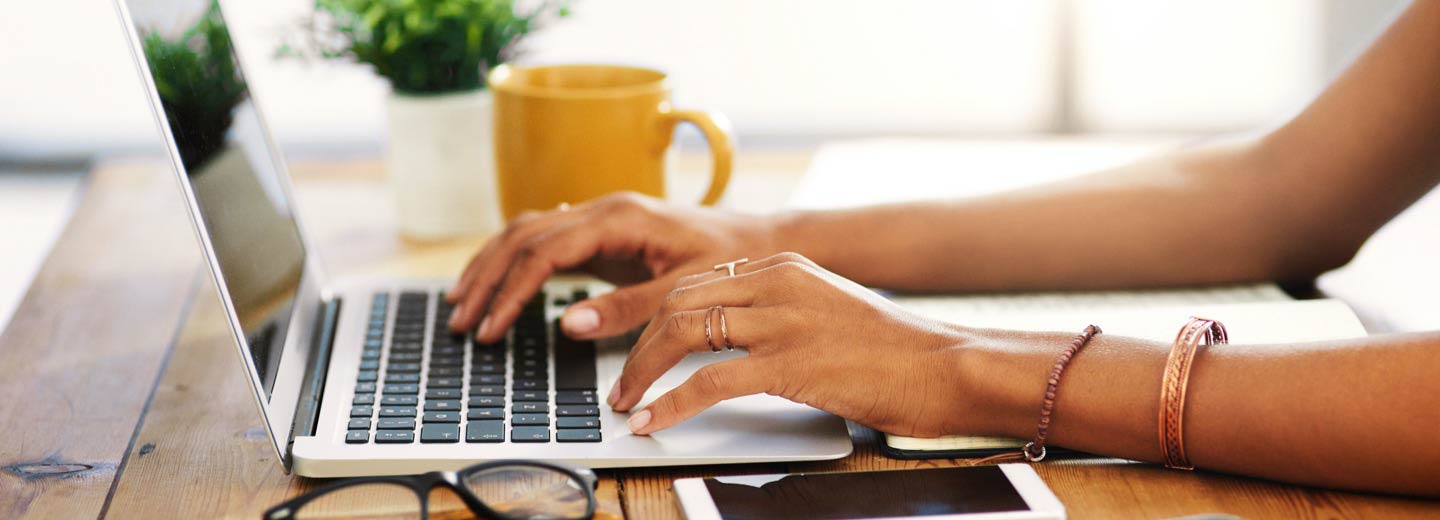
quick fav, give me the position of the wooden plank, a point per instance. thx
(87, 342)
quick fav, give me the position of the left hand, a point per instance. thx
(813, 337)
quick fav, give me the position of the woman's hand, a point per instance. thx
(813, 337)
(627, 239)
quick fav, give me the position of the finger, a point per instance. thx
(707, 387)
(719, 271)
(472, 293)
(742, 290)
(616, 312)
(682, 334)
(541, 257)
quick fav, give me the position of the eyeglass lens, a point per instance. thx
(528, 492)
(375, 501)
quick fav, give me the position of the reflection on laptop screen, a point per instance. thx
(228, 166)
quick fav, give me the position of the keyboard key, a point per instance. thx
(485, 431)
(530, 395)
(440, 433)
(362, 423)
(530, 419)
(530, 384)
(394, 437)
(488, 368)
(487, 401)
(370, 364)
(370, 352)
(477, 414)
(367, 376)
(365, 388)
(441, 417)
(530, 407)
(363, 399)
(447, 371)
(447, 361)
(397, 411)
(396, 368)
(488, 379)
(448, 350)
(362, 411)
(357, 437)
(577, 436)
(529, 434)
(530, 363)
(567, 423)
(443, 382)
(442, 406)
(487, 390)
(399, 400)
(574, 363)
(443, 393)
(577, 410)
(529, 373)
(409, 388)
(401, 378)
(396, 423)
(404, 357)
(489, 357)
(373, 343)
(575, 397)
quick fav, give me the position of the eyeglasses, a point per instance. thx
(500, 490)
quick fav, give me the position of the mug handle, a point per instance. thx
(717, 135)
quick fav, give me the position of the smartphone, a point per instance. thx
(1004, 492)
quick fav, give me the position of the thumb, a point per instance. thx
(616, 312)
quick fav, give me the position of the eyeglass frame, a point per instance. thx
(423, 483)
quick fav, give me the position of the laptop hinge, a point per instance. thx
(312, 391)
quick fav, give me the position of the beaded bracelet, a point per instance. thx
(1034, 451)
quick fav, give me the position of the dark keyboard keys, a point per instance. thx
(443, 393)
(362, 411)
(446, 372)
(447, 361)
(487, 401)
(365, 388)
(488, 379)
(529, 434)
(440, 433)
(362, 423)
(396, 423)
(442, 406)
(399, 400)
(577, 436)
(574, 363)
(397, 411)
(394, 437)
(396, 368)
(363, 399)
(485, 414)
(442, 417)
(401, 378)
(357, 437)
(369, 364)
(530, 384)
(576, 397)
(485, 431)
(570, 423)
(577, 410)
(487, 390)
(530, 395)
(530, 407)
(444, 382)
(402, 389)
(488, 368)
(530, 419)
(405, 357)
(367, 376)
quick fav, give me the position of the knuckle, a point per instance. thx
(674, 323)
(710, 380)
(792, 257)
(673, 300)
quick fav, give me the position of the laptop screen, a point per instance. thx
(228, 164)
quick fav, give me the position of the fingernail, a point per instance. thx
(614, 394)
(484, 328)
(582, 320)
(639, 420)
(455, 316)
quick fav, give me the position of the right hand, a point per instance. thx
(631, 240)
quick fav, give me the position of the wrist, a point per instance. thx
(794, 231)
(1000, 378)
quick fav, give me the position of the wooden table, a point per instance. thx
(123, 397)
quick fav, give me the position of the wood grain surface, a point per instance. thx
(124, 396)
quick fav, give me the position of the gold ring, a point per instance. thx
(725, 330)
(729, 267)
(710, 339)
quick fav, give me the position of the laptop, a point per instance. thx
(362, 377)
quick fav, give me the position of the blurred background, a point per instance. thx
(792, 73)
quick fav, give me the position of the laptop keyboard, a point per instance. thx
(428, 384)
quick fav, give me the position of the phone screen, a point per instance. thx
(879, 494)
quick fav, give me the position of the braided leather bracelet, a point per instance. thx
(1196, 333)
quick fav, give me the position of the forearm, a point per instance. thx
(1138, 225)
(1356, 414)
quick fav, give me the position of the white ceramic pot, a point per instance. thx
(441, 163)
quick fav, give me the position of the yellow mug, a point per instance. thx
(571, 133)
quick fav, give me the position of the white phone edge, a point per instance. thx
(696, 503)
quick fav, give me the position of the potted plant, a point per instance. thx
(435, 55)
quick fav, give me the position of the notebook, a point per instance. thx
(1254, 315)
